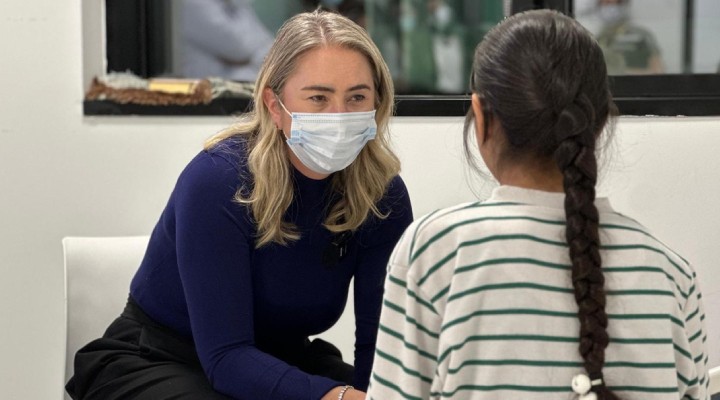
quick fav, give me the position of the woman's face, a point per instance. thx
(328, 79)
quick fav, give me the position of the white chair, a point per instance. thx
(714, 388)
(98, 271)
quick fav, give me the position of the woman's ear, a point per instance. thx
(477, 108)
(273, 105)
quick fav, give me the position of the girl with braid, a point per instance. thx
(543, 291)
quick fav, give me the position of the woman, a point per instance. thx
(262, 235)
(542, 291)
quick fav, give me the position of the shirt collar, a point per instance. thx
(540, 198)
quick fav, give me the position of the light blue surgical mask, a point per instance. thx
(329, 142)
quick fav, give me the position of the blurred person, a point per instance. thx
(629, 48)
(448, 37)
(221, 38)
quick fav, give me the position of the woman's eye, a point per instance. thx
(357, 98)
(318, 98)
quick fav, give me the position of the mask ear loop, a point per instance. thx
(282, 105)
(279, 129)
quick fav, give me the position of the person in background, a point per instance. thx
(221, 38)
(543, 291)
(448, 36)
(629, 48)
(262, 235)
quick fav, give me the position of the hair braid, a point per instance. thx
(575, 156)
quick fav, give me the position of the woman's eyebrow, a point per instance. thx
(359, 87)
(321, 88)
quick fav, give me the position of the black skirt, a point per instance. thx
(140, 359)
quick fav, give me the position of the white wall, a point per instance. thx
(64, 174)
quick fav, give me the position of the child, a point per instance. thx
(542, 291)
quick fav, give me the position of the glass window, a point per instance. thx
(428, 44)
(654, 36)
(705, 34)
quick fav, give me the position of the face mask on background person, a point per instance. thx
(329, 142)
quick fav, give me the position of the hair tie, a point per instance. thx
(581, 384)
(596, 376)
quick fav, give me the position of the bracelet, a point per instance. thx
(343, 390)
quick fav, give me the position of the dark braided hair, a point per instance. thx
(543, 76)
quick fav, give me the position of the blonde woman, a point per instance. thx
(262, 235)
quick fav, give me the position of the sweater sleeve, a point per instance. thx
(407, 343)
(695, 381)
(379, 239)
(214, 239)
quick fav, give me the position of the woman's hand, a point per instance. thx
(350, 394)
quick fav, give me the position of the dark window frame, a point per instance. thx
(134, 43)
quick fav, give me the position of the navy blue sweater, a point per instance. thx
(245, 307)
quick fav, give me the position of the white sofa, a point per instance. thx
(98, 271)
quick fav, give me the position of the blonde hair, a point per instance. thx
(362, 184)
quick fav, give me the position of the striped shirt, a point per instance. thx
(479, 305)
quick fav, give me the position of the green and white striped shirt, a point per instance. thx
(479, 305)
